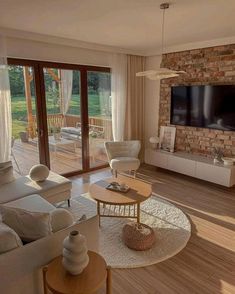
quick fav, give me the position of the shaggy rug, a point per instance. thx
(171, 226)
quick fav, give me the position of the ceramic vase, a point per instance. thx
(75, 257)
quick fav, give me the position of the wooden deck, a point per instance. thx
(66, 159)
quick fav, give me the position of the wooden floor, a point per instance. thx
(207, 264)
(65, 160)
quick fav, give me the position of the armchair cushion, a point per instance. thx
(125, 163)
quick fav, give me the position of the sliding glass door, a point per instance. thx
(61, 115)
(62, 89)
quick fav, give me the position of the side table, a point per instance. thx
(94, 276)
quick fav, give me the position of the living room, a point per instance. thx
(118, 134)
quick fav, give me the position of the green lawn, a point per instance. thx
(19, 112)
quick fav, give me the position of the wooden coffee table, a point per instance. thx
(118, 204)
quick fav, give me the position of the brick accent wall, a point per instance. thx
(215, 65)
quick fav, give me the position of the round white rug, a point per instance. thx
(171, 226)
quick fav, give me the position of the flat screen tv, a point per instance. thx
(203, 106)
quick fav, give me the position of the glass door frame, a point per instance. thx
(41, 111)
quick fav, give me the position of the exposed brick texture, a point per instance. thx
(216, 66)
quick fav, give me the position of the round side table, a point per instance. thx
(94, 276)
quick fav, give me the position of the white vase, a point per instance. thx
(75, 257)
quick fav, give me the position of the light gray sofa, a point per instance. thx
(21, 268)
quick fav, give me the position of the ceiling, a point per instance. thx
(127, 24)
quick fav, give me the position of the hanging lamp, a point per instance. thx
(161, 73)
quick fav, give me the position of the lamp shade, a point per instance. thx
(154, 140)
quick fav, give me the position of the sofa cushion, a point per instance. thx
(6, 173)
(71, 130)
(24, 186)
(61, 219)
(32, 202)
(28, 225)
(29, 216)
(9, 239)
(39, 172)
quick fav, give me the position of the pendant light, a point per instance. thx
(161, 73)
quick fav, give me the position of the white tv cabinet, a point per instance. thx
(192, 165)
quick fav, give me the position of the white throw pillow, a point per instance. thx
(6, 173)
(28, 225)
(61, 219)
(9, 240)
(39, 173)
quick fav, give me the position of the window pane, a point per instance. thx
(100, 115)
(63, 119)
(24, 123)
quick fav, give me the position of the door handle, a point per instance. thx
(41, 133)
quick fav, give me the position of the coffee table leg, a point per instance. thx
(98, 210)
(138, 212)
(109, 281)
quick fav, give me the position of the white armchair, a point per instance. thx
(123, 156)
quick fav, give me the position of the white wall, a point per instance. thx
(29, 49)
(152, 94)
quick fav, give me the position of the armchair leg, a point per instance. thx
(134, 173)
(115, 172)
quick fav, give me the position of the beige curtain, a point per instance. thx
(134, 121)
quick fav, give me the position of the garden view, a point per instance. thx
(99, 102)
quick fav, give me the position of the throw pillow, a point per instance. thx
(9, 240)
(39, 173)
(61, 219)
(6, 173)
(28, 225)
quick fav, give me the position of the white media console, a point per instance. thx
(192, 165)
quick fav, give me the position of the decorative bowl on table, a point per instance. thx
(115, 186)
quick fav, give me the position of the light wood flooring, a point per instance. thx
(207, 264)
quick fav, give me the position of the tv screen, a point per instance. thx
(204, 106)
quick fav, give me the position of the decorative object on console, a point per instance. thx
(161, 73)
(218, 154)
(75, 257)
(39, 173)
(228, 161)
(154, 141)
(138, 236)
(167, 138)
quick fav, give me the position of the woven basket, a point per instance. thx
(138, 236)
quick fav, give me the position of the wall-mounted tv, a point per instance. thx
(203, 106)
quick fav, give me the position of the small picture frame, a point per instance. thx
(167, 138)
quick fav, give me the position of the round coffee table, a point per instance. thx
(93, 277)
(119, 204)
